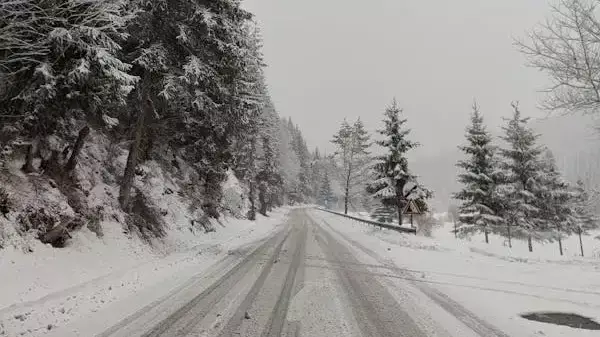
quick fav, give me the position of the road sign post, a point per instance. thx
(411, 209)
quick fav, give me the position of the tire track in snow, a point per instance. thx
(278, 316)
(376, 311)
(276, 319)
(200, 303)
(199, 307)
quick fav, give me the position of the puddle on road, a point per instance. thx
(566, 319)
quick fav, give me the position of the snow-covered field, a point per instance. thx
(50, 288)
(493, 281)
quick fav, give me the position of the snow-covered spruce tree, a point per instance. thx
(268, 179)
(521, 169)
(352, 143)
(394, 184)
(255, 99)
(556, 201)
(303, 154)
(479, 211)
(193, 59)
(289, 165)
(296, 164)
(60, 61)
(326, 196)
(316, 173)
(583, 205)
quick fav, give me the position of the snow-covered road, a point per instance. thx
(305, 280)
(316, 274)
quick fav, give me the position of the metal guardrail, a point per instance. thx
(373, 223)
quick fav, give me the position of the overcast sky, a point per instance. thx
(330, 59)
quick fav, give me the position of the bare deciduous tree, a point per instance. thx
(567, 47)
(352, 142)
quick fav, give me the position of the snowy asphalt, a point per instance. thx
(305, 280)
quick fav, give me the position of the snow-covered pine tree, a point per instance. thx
(268, 179)
(289, 164)
(302, 153)
(521, 167)
(394, 184)
(583, 206)
(61, 62)
(316, 173)
(198, 59)
(253, 99)
(326, 196)
(479, 210)
(353, 143)
(555, 202)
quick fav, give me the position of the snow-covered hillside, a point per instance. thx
(107, 258)
(49, 288)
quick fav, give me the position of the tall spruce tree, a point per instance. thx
(326, 196)
(195, 72)
(557, 217)
(268, 179)
(480, 208)
(582, 209)
(316, 174)
(521, 171)
(394, 184)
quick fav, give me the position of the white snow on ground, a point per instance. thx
(494, 282)
(51, 287)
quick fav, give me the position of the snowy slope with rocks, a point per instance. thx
(109, 261)
(49, 288)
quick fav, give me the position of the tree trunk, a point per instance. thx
(28, 166)
(347, 192)
(455, 228)
(252, 210)
(83, 133)
(487, 238)
(270, 202)
(51, 166)
(509, 238)
(400, 215)
(129, 175)
(560, 247)
(212, 193)
(133, 157)
(580, 241)
(530, 243)
(262, 199)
